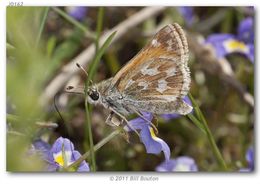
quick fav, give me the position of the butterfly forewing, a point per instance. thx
(159, 71)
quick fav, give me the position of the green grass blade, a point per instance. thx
(42, 26)
(202, 124)
(97, 58)
(92, 71)
(99, 26)
(196, 122)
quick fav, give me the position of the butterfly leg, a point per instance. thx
(112, 121)
(125, 133)
(124, 119)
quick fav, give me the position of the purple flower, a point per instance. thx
(60, 155)
(77, 12)
(245, 31)
(152, 143)
(250, 160)
(242, 43)
(180, 164)
(41, 148)
(250, 157)
(187, 13)
(174, 116)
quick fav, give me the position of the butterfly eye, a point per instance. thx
(93, 94)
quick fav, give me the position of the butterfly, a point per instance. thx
(156, 80)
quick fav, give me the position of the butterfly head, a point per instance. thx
(93, 95)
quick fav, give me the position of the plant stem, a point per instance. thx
(90, 137)
(202, 124)
(93, 69)
(213, 144)
(196, 122)
(96, 147)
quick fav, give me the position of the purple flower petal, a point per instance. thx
(180, 164)
(54, 155)
(243, 43)
(83, 167)
(246, 30)
(139, 123)
(42, 148)
(77, 12)
(217, 40)
(245, 170)
(152, 143)
(52, 167)
(60, 143)
(250, 158)
(187, 13)
(251, 54)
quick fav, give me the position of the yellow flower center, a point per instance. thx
(235, 46)
(58, 158)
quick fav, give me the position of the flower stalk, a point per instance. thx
(201, 122)
(96, 147)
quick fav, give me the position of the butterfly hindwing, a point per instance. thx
(159, 71)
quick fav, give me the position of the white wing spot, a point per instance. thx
(155, 43)
(162, 86)
(143, 84)
(150, 71)
(171, 72)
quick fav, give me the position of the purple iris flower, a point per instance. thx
(187, 13)
(41, 148)
(61, 154)
(250, 160)
(242, 43)
(174, 116)
(180, 164)
(245, 31)
(152, 143)
(77, 12)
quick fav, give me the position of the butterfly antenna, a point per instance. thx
(56, 107)
(85, 72)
